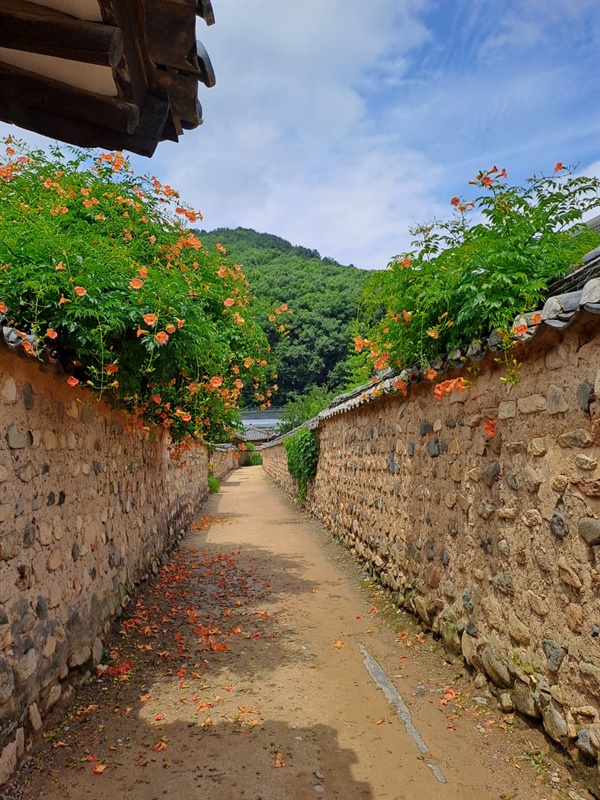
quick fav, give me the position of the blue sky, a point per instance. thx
(338, 123)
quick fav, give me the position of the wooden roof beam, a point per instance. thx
(19, 86)
(201, 8)
(182, 90)
(37, 29)
(205, 11)
(207, 73)
(145, 138)
(135, 75)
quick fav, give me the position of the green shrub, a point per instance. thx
(477, 272)
(302, 450)
(214, 484)
(254, 460)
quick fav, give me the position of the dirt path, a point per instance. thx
(242, 673)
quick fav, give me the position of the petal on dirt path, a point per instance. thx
(287, 597)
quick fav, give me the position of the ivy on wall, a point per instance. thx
(302, 450)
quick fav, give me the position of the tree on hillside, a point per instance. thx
(304, 408)
(322, 294)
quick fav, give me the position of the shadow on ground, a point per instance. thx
(175, 708)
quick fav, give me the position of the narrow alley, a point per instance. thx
(261, 664)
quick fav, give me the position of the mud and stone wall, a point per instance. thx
(493, 543)
(87, 509)
(223, 461)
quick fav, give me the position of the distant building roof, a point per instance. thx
(253, 434)
(262, 424)
(116, 74)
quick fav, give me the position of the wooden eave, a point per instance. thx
(123, 77)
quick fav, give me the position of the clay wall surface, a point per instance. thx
(87, 509)
(493, 543)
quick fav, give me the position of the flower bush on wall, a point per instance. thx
(491, 262)
(99, 270)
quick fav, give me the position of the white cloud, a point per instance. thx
(337, 124)
(358, 121)
(289, 144)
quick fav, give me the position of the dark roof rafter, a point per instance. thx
(123, 77)
(36, 29)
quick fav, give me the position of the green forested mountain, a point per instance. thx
(322, 294)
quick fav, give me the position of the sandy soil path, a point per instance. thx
(256, 667)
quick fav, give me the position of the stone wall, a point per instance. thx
(493, 543)
(87, 509)
(223, 461)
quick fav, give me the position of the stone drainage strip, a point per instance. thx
(394, 699)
